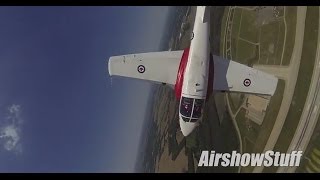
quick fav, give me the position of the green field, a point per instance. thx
(235, 101)
(303, 81)
(236, 22)
(271, 37)
(291, 20)
(240, 118)
(280, 43)
(245, 51)
(233, 49)
(233, 104)
(269, 43)
(248, 129)
(223, 27)
(248, 28)
(248, 145)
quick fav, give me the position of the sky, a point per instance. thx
(59, 109)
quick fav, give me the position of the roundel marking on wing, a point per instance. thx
(247, 82)
(141, 69)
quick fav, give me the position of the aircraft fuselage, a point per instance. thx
(196, 74)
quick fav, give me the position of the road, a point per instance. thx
(290, 84)
(282, 72)
(309, 115)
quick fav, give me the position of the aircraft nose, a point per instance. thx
(186, 127)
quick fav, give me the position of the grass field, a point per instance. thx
(280, 43)
(269, 43)
(270, 38)
(248, 145)
(233, 49)
(248, 129)
(291, 20)
(223, 27)
(245, 51)
(236, 22)
(303, 81)
(249, 30)
(235, 101)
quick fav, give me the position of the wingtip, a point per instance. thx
(109, 66)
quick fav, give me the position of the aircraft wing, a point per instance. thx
(236, 77)
(154, 66)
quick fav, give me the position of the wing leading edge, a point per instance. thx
(154, 66)
(236, 77)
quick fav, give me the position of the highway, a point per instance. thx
(309, 115)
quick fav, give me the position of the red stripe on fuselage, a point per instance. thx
(180, 75)
(181, 71)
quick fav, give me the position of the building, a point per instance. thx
(256, 108)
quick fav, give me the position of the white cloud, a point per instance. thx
(14, 109)
(11, 130)
(11, 134)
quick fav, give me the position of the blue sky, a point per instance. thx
(59, 111)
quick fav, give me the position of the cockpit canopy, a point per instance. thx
(191, 109)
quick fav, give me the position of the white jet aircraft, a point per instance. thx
(194, 72)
